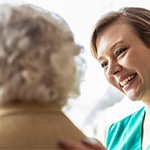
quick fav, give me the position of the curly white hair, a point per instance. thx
(37, 57)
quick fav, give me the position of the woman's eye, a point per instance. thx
(120, 51)
(103, 65)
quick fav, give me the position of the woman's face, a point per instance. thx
(125, 60)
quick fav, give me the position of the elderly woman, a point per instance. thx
(40, 68)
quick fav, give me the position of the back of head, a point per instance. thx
(37, 57)
(137, 18)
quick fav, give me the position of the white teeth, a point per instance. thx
(125, 81)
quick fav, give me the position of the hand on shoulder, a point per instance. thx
(89, 143)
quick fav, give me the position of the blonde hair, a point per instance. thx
(137, 18)
(38, 57)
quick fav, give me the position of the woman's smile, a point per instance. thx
(127, 83)
(120, 42)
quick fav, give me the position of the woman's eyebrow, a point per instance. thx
(114, 45)
(111, 48)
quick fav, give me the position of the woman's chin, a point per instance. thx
(134, 96)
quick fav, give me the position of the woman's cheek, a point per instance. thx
(111, 80)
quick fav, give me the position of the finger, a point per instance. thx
(72, 145)
(94, 144)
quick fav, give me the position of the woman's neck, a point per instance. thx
(147, 107)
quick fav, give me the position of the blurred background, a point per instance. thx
(99, 104)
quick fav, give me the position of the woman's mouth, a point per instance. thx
(126, 80)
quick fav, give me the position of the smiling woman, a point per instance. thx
(121, 43)
(116, 50)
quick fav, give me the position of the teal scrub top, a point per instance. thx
(127, 133)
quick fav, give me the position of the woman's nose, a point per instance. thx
(113, 68)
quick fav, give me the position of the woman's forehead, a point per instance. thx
(114, 34)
